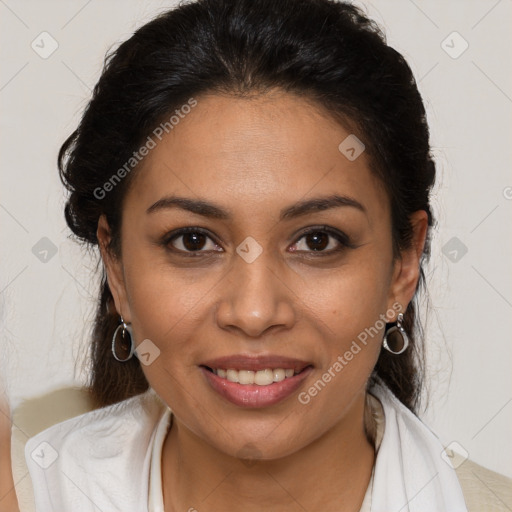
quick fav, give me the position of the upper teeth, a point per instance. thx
(261, 377)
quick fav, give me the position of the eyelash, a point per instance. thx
(340, 237)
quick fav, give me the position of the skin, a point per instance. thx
(255, 156)
(8, 498)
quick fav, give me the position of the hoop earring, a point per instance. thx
(125, 328)
(395, 337)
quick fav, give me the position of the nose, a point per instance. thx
(255, 298)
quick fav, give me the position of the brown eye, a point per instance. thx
(317, 241)
(191, 240)
(322, 240)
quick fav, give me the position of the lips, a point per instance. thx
(256, 363)
(255, 381)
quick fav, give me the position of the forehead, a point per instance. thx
(256, 155)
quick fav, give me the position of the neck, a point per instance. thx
(331, 473)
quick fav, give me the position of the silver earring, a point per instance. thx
(396, 337)
(124, 328)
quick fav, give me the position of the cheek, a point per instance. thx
(173, 308)
(164, 304)
(348, 314)
(347, 306)
(166, 309)
(350, 297)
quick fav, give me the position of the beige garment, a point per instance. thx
(484, 490)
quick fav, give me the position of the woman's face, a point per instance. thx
(247, 288)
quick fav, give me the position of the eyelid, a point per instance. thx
(176, 233)
(342, 238)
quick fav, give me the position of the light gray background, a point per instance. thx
(46, 306)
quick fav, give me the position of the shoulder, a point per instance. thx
(98, 459)
(113, 423)
(483, 489)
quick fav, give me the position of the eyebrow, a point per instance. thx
(211, 210)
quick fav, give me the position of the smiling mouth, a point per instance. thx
(255, 381)
(264, 377)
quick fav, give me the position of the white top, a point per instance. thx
(155, 501)
(109, 460)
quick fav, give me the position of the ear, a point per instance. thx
(407, 266)
(114, 269)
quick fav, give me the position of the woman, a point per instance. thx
(256, 176)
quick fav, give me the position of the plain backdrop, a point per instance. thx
(460, 52)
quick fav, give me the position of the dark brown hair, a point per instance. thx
(325, 51)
